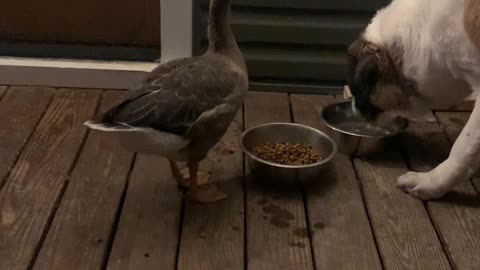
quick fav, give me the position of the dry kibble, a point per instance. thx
(286, 153)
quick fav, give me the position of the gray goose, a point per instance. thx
(184, 107)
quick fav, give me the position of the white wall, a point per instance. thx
(176, 38)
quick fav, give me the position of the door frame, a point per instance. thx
(177, 21)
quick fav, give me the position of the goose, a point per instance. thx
(183, 107)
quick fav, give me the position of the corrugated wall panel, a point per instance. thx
(296, 42)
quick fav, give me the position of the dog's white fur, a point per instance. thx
(445, 64)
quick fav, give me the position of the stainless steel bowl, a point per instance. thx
(286, 175)
(349, 129)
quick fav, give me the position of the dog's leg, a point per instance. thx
(463, 162)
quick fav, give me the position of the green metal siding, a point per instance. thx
(297, 44)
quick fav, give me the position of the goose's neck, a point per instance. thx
(220, 35)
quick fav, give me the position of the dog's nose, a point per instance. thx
(364, 107)
(391, 121)
(401, 123)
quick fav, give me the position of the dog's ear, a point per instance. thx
(365, 75)
(363, 79)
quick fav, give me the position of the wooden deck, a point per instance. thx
(73, 199)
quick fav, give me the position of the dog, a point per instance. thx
(416, 54)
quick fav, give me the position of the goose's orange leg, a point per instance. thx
(202, 193)
(181, 181)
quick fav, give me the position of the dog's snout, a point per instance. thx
(365, 107)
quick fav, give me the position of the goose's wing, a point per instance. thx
(168, 67)
(158, 72)
(173, 101)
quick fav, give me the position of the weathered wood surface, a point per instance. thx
(277, 235)
(20, 111)
(341, 233)
(213, 235)
(457, 215)
(149, 228)
(121, 212)
(28, 200)
(452, 123)
(81, 230)
(405, 236)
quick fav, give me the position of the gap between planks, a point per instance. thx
(154, 164)
(63, 188)
(340, 230)
(79, 237)
(277, 234)
(457, 214)
(40, 174)
(149, 226)
(400, 222)
(16, 107)
(213, 235)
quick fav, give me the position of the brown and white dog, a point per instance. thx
(417, 53)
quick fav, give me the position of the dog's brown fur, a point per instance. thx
(471, 20)
(392, 89)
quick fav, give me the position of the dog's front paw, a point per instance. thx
(425, 186)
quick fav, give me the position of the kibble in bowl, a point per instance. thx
(286, 152)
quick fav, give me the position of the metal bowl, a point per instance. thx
(350, 128)
(286, 175)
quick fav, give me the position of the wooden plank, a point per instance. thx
(406, 238)
(276, 223)
(148, 232)
(341, 233)
(20, 111)
(82, 227)
(31, 192)
(453, 123)
(213, 235)
(457, 215)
